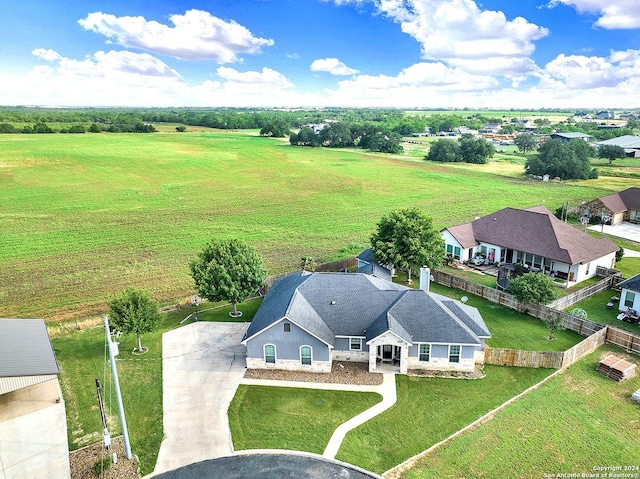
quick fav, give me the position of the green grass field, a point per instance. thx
(84, 216)
(264, 417)
(577, 421)
(429, 410)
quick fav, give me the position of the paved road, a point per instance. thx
(202, 365)
(269, 466)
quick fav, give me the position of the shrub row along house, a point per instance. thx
(533, 237)
(308, 320)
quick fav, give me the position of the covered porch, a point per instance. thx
(388, 353)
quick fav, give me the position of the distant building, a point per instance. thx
(630, 143)
(605, 115)
(621, 206)
(565, 137)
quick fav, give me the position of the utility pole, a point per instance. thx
(114, 372)
(105, 430)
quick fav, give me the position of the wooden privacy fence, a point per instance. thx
(615, 336)
(573, 298)
(544, 359)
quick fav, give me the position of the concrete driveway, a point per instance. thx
(624, 230)
(202, 365)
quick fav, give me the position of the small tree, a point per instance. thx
(554, 323)
(408, 239)
(134, 312)
(447, 151)
(307, 263)
(227, 270)
(526, 142)
(611, 152)
(534, 288)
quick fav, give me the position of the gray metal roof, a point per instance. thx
(354, 304)
(25, 349)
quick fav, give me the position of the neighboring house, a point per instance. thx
(33, 425)
(630, 294)
(367, 264)
(622, 206)
(308, 320)
(630, 143)
(605, 115)
(565, 137)
(533, 237)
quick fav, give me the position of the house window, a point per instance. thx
(270, 353)
(629, 298)
(450, 249)
(456, 252)
(305, 354)
(588, 267)
(355, 344)
(424, 352)
(287, 328)
(454, 354)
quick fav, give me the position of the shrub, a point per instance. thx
(102, 465)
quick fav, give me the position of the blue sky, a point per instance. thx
(306, 53)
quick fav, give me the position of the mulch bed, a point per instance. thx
(83, 460)
(341, 373)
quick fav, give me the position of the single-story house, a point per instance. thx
(308, 320)
(630, 143)
(630, 294)
(368, 264)
(33, 424)
(605, 115)
(565, 137)
(533, 237)
(621, 206)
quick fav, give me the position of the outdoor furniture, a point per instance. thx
(609, 305)
(630, 316)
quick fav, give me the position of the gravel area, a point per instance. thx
(83, 460)
(341, 373)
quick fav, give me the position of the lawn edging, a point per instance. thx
(396, 471)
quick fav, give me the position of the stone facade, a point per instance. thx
(290, 365)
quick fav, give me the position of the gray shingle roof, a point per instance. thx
(25, 349)
(376, 270)
(354, 304)
(536, 231)
(632, 283)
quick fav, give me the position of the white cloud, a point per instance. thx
(586, 73)
(460, 34)
(266, 77)
(333, 66)
(195, 35)
(614, 14)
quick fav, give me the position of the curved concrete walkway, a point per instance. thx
(387, 390)
(202, 365)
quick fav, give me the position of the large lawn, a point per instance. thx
(263, 417)
(429, 410)
(577, 421)
(84, 216)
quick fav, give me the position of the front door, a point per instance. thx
(387, 352)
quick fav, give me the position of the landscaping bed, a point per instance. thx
(341, 373)
(83, 460)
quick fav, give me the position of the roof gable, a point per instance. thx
(632, 283)
(352, 304)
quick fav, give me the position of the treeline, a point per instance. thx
(43, 127)
(371, 136)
